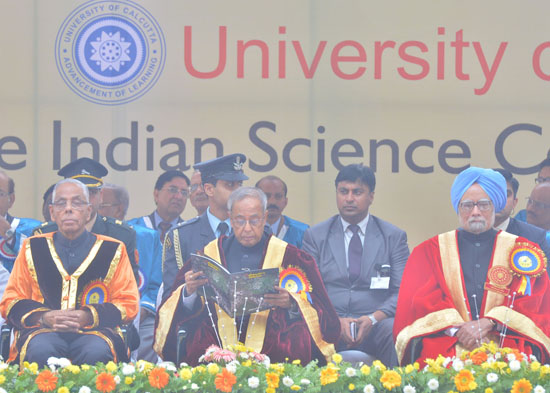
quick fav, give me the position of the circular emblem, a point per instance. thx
(527, 260)
(95, 293)
(499, 275)
(110, 52)
(6, 253)
(142, 281)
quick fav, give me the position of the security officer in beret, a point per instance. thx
(90, 173)
(220, 177)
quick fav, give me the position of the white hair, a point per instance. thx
(78, 183)
(247, 192)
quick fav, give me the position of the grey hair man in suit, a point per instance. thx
(361, 259)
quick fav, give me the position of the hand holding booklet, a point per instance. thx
(239, 293)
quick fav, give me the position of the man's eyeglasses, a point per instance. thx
(175, 190)
(77, 204)
(194, 187)
(241, 222)
(4, 194)
(483, 205)
(539, 180)
(537, 204)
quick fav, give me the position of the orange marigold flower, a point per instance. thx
(225, 380)
(517, 354)
(522, 386)
(390, 379)
(272, 380)
(105, 382)
(158, 377)
(329, 375)
(46, 381)
(478, 357)
(465, 381)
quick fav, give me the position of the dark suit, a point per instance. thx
(190, 236)
(384, 244)
(530, 232)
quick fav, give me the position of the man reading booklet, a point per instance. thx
(301, 322)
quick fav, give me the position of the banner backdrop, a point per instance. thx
(417, 90)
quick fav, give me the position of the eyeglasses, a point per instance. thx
(537, 204)
(77, 204)
(539, 180)
(194, 187)
(108, 204)
(241, 222)
(175, 190)
(483, 205)
(4, 194)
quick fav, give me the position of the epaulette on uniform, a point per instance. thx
(188, 222)
(45, 227)
(114, 221)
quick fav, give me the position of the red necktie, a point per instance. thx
(355, 253)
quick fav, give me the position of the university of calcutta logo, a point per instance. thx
(110, 52)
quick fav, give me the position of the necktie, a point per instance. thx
(222, 228)
(355, 252)
(164, 227)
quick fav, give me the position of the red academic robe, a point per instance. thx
(310, 337)
(432, 298)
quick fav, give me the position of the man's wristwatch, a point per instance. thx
(373, 319)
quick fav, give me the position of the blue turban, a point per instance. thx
(492, 182)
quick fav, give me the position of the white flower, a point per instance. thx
(498, 355)
(446, 361)
(539, 389)
(3, 366)
(244, 355)
(350, 372)
(194, 386)
(490, 359)
(492, 377)
(369, 389)
(468, 362)
(2, 390)
(433, 384)
(511, 357)
(409, 389)
(232, 366)
(253, 382)
(63, 362)
(305, 381)
(167, 366)
(287, 381)
(128, 369)
(458, 365)
(533, 358)
(53, 362)
(183, 364)
(84, 389)
(117, 379)
(515, 365)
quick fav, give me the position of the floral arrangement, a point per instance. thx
(486, 369)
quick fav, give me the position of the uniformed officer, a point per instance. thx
(91, 173)
(220, 177)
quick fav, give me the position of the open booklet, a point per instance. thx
(239, 293)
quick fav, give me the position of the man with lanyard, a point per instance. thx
(301, 324)
(464, 287)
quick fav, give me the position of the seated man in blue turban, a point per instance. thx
(474, 284)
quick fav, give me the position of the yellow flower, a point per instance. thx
(199, 369)
(272, 380)
(329, 375)
(2, 379)
(337, 358)
(128, 380)
(297, 361)
(33, 367)
(365, 370)
(545, 370)
(379, 365)
(522, 386)
(247, 363)
(278, 367)
(435, 366)
(390, 379)
(63, 389)
(488, 390)
(270, 390)
(213, 368)
(409, 369)
(72, 368)
(294, 387)
(185, 374)
(417, 366)
(144, 365)
(111, 366)
(465, 381)
(535, 366)
(351, 386)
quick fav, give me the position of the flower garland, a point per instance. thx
(487, 369)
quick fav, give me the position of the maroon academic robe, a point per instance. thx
(432, 299)
(311, 336)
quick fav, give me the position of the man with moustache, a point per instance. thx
(285, 228)
(197, 197)
(464, 287)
